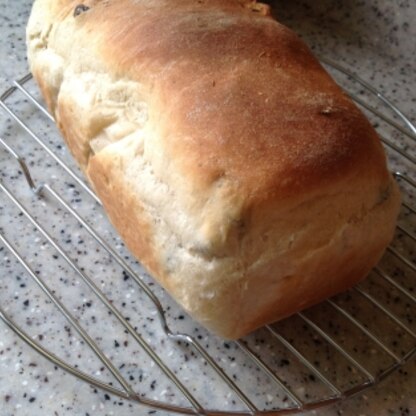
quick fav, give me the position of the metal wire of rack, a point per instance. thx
(266, 353)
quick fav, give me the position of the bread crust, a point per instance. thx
(230, 162)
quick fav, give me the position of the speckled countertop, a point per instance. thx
(374, 38)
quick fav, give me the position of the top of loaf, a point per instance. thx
(240, 115)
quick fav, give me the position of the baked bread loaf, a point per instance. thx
(232, 165)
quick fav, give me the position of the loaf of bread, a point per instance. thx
(232, 165)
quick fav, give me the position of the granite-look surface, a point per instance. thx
(373, 38)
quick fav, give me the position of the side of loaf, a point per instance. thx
(232, 165)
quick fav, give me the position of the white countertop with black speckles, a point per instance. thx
(375, 38)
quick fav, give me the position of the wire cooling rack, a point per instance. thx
(91, 309)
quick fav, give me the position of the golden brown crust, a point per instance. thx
(231, 163)
(220, 71)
